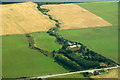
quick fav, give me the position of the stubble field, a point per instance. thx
(72, 16)
(21, 18)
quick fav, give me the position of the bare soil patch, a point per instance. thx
(23, 18)
(73, 16)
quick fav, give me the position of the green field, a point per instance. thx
(106, 10)
(45, 41)
(103, 40)
(21, 61)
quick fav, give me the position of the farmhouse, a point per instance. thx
(74, 45)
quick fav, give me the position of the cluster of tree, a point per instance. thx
(30, 40)
(87, 74)
(50, 17)
(52, 31)
(86, 64)
(58, 37)
(46, 53)
(32, 45)
(84, 57)
(90, 55)
(62, 51)
(44, 11)
(67, 63)
(93, 56)
(57, 24)
(9, 2)
(47, 3)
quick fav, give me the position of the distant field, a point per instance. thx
(72, 16)
(21, 61)
(20, 18)
(106, 10)
(102, 40)
(45, 41)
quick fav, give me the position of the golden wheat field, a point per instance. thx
(20, 18)
(73, 16)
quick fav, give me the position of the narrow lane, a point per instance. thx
(77, 72)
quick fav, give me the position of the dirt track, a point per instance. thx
(73, 16)
(23, 18)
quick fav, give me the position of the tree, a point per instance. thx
(71, 65)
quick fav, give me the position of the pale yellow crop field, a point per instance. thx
(21, 18)
(73, 16)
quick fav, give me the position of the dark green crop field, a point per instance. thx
(106, 10)
(19, 60)
(103, 40)
(45, 41)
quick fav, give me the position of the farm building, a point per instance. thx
(74, 45)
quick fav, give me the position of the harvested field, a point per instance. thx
(20, 18)
(73, 16)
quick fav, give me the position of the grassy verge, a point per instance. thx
(106, 10)
(45, 41)
(19, 60)
(103, 40)
(72, 76)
